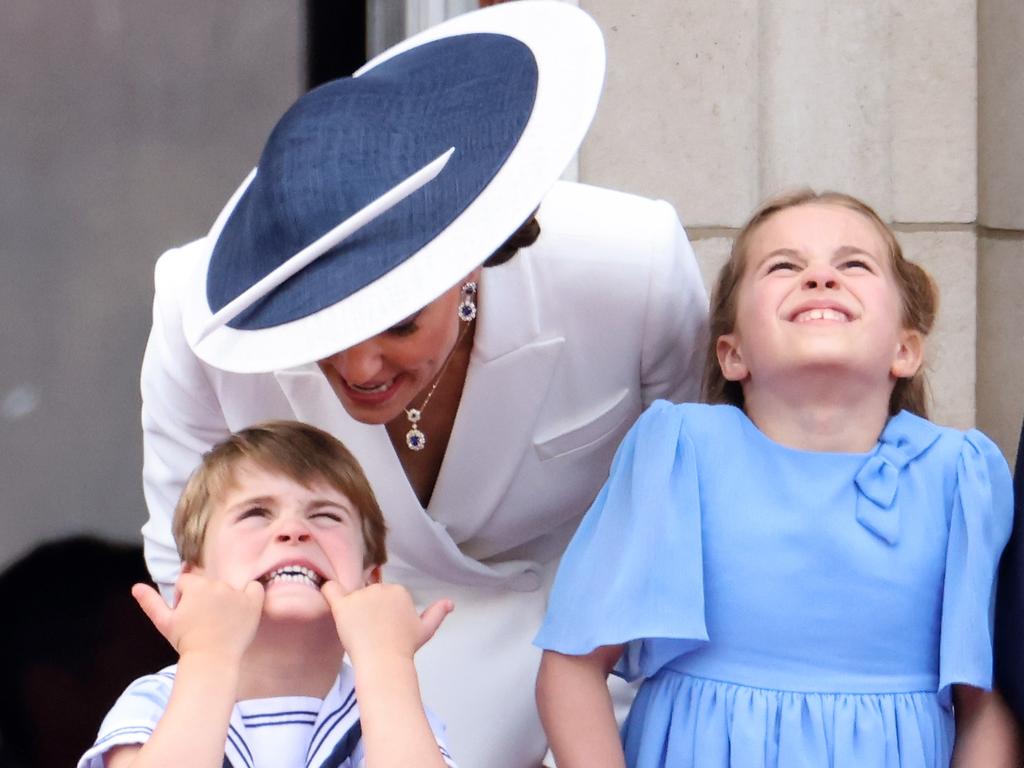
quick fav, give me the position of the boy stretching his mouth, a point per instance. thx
(282, 542)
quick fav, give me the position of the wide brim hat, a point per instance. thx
(484, 112)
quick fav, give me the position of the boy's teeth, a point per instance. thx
(295, 573)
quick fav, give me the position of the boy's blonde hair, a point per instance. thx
(297, 451)
(917, 290)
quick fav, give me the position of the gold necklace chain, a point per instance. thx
(415, 440)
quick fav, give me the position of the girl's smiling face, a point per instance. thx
(818, 293)
(290, 537)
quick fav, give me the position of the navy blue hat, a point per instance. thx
(510, 89)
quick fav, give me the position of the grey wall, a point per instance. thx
(125, 126)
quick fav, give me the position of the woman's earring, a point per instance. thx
(467, 309)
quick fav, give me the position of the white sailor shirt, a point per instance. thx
(299, 732)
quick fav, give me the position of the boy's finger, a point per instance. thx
(153, 605)
(332, 593)
(432, 617)
(255, 592)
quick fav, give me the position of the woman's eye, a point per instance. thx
(406, 327)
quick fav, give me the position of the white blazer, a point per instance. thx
(575, 336)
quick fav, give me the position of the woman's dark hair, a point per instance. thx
(523, 237)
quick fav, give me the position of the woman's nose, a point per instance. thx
(820, 276)
(358, 364)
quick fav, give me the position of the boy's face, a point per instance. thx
(291, 538)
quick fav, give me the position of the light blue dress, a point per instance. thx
(788, 608)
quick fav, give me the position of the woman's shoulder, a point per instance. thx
(573, 201)
(605, 227)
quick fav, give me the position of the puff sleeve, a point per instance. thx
(980, 521)
(633, 573)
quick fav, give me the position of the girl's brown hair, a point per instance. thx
(920, 298)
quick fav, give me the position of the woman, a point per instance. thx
(482, 389)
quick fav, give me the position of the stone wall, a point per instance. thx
(715, 106)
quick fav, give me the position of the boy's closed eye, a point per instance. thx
(326, 516)
(253, 512)
(782, 266)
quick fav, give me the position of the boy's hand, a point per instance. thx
(382, 619)
(209, 616)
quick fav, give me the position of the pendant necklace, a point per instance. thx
(414, 438)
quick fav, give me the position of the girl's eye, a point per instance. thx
(856, 264)
(778, 266)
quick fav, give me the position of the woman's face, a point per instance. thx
(377, 379)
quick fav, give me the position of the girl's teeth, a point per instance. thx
(820, 314)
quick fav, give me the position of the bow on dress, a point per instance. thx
(904, 438)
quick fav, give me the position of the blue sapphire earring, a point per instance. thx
(467, 309)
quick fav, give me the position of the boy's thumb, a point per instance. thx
(432, 617)
(153, 605)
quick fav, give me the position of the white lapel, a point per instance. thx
(508, 377)
(506, 385)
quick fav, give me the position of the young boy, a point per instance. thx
(282, 542)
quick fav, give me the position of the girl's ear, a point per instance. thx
(730, 357)
(909, 354)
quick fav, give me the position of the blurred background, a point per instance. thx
(127, 124)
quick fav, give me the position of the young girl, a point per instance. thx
(802, 574)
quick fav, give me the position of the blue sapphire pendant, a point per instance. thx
(415, 439)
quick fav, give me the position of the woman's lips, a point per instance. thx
(371, 394)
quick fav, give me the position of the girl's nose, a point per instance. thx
(820, 276)
(358, 364)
